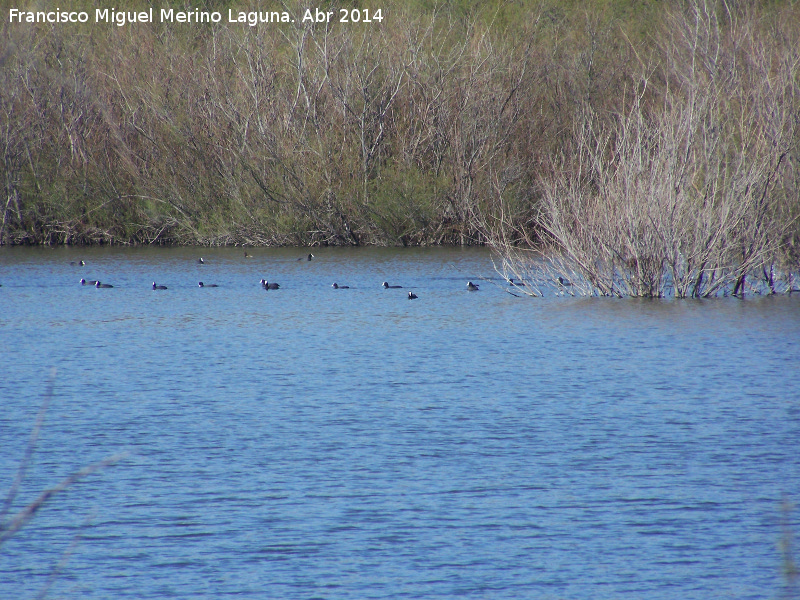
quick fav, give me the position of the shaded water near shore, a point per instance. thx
(317, 443)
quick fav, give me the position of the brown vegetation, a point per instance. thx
(654, 144)
(690, 187)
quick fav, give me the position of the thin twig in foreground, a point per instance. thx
(27, 513)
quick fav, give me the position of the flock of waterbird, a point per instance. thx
(563, 284)
(266, 285)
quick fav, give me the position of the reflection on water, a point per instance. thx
(313, 442)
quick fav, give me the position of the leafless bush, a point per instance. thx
(683, 197)
(432, 130)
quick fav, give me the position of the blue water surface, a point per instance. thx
(309, 442)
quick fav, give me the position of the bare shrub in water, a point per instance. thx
(683, 192)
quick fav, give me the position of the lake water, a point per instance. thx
(317, 443)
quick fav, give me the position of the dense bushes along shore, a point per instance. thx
(442, 123)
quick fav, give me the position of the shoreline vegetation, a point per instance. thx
(655, 146)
